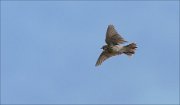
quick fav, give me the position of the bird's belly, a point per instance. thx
(117, 48)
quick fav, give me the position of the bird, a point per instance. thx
(113, 46)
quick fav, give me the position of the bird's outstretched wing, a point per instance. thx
(104, 55)
(112, 36)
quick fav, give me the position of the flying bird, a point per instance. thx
(113, 46)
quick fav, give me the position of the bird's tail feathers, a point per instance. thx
(130, 49)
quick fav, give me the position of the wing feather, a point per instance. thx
(113, 37)
(103, 56)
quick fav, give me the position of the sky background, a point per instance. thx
(49, 50)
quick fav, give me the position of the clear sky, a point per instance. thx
(49, 50)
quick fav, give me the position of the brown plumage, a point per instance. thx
(113, 47)
(113, 37)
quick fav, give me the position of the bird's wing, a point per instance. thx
(113, 37)
(104, 55)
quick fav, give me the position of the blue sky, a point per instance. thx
(49, 50)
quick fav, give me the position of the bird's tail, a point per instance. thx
(130, 49)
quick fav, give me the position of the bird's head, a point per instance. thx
(104, 47)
